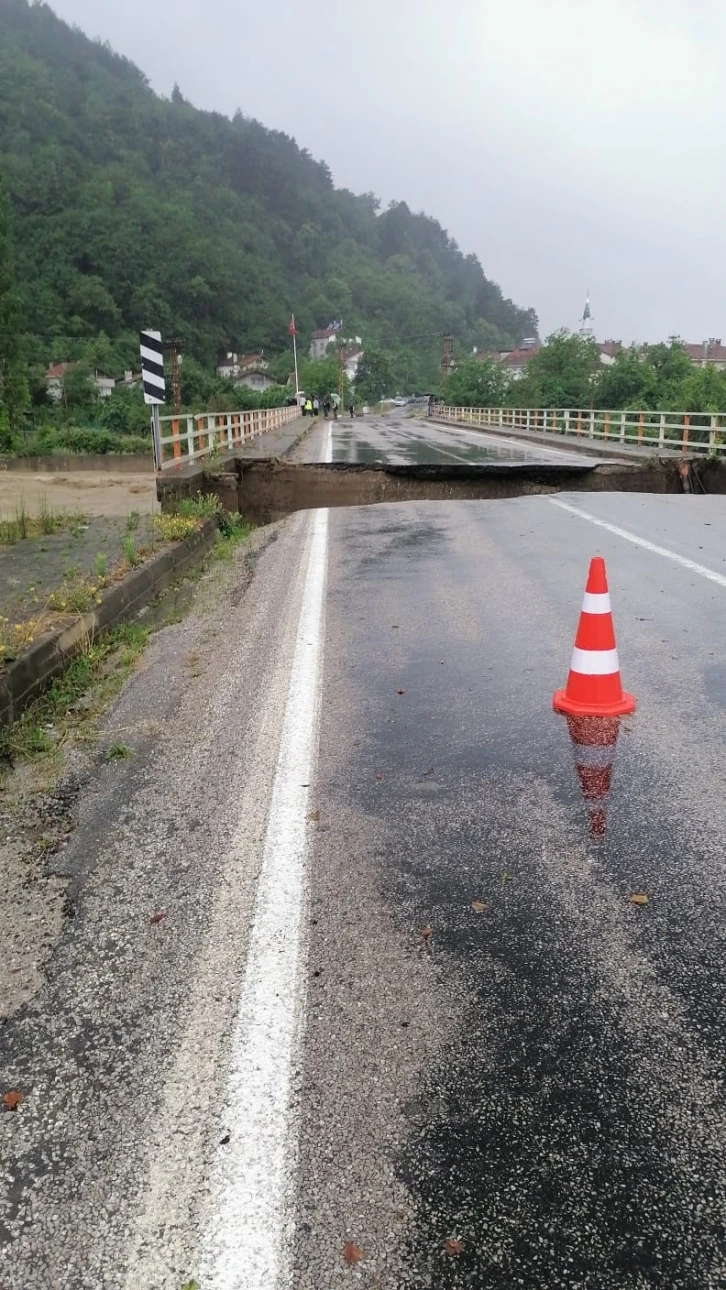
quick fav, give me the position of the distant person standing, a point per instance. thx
(308, 407)
(316, 406)
(326, 407)
(351, 409)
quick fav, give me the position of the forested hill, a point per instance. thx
(129, 209)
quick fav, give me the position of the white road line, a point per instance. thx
(685, 563)
(326, 452)
(247, 1241)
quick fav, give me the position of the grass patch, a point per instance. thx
(100, 565)
(132, 521)
(23, 525)
(96, 676)
(118, 752)
(75, 596)
(131, 555)
(174, 528)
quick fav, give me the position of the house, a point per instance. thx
(105, 385)
(710, 353)
(255, 378)
(233, 365)
(515, 361)
(320, 340)
(131, 380)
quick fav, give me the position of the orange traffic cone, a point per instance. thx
(593, 687)
(593, 742)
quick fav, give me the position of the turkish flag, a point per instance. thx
(292, 329)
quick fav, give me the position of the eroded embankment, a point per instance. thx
(268, 490)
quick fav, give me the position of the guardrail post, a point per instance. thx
(661, 431)
(686, 425)
(579, 421)
(591, 431)
(607, 424)
(567, 420)
(190, 437)
(230, 432)
(622, 426)
(712, 435)
(641, 419)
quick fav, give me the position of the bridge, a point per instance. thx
(380, 971)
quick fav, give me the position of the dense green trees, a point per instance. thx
(14, 392)
(478, 383)
(132, 210)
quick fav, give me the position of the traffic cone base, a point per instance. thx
(593, 686)
(562, 702)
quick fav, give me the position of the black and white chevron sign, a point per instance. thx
(152, 367)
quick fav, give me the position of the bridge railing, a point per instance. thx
(187, 438)
(690, 431)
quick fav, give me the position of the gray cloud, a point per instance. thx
(568, 144)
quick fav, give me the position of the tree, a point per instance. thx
(477, 384)
(374, 379)
(561, 375)
(628, 383)
(14, 392)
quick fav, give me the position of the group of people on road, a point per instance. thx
(312, 407)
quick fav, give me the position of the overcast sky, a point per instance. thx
(569, 143)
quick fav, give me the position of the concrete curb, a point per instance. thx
(27, 676)
(567, 443)
(302, 435)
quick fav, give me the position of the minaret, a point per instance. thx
(587, 330)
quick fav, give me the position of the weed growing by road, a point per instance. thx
(21, 519)
(100, 565)
(49, 521)
(132, 521)
(130, 552)
(118, 752)
(96, 676)
(174, 528)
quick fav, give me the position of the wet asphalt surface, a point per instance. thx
(541, 1080)
(414, 440)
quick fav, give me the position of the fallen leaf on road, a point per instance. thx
(352, 1253)
(313, 815)
(638, 899)
(400, 691)
(506, 877)
(478, 906)
(379, 774)
(394, 627)
(426, 933)
(12, 1100)
(158, 917)
(452, 1246)
(191, 1285)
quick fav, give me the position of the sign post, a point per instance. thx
(152, 373)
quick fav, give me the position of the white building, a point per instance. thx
(54, 381)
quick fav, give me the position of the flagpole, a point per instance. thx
(294, 350)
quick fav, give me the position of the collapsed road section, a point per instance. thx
(266, 490)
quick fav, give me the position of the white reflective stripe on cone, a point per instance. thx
(596, 602)
(594, 758)
(594, 662)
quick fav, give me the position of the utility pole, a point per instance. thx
(173, 347)
(342, 355)
(446, 355)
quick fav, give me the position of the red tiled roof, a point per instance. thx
(518, 357)
(56, 371)
(715, 353)
(325, 334)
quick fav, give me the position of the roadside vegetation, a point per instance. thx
(71, 705)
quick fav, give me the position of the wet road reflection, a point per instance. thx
(594, 743)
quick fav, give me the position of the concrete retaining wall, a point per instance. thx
(29, 674)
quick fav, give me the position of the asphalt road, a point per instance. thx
(322, 1042)
(403, 439)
